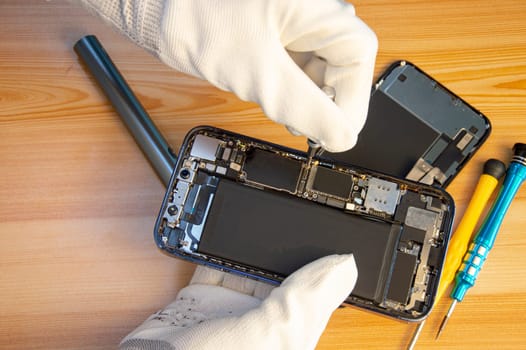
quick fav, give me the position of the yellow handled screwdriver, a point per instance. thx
(493, 170)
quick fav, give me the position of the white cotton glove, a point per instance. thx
(212, 316)
(243, 46)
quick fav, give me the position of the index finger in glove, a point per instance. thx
(350, 57)
(348, 46)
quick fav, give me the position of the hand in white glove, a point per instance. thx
(209, 315)
(243, 46)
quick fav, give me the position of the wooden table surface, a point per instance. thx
(78, 266)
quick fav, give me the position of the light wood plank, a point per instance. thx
(78, 266)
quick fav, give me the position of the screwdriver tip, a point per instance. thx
(446, 318)
(442, 325)
(416, 334)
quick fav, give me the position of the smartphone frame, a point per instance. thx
(388, 262)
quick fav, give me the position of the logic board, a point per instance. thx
(261, 210)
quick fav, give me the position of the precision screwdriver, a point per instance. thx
(313, 150)
(493, 170)
(314, 147)
(485, 238)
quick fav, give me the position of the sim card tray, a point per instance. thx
(425, 173)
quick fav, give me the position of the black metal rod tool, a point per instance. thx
(148, 137)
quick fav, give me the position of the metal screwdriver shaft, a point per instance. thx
(446, 318)
(312, 151)
(485, 238)
(314, 147)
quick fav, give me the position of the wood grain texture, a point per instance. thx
(78, 266)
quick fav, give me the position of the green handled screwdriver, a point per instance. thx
(485, 238)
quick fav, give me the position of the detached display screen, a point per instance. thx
(416, 128)
(280, 234)
(392, 140)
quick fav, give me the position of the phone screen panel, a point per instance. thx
(416, 129)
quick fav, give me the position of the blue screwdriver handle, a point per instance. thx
(485, 238)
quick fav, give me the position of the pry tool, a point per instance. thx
(485, 238)
(492, 172)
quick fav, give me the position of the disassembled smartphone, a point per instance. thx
(416, 128)
(261, 210)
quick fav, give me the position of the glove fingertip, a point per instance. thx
(343, 269)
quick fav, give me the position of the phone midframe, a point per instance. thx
(261, 210)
